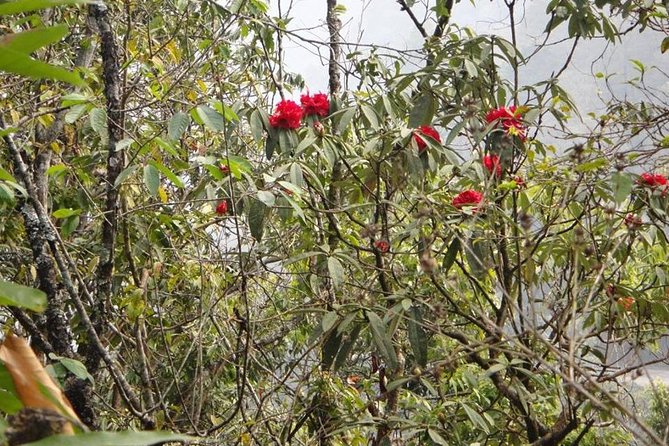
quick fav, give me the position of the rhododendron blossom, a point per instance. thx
(510, 120)
(317, 104)
(287, 115)
(222, 208)
(652, 180)
(626, 302)
(382, 245)
(428, 131)
(492, 164)
(467, 198)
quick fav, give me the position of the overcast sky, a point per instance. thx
(381, 22)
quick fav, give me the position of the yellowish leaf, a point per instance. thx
(162, 193)
(33, 385)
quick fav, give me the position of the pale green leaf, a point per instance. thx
(15, 295)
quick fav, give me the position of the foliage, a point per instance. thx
(213, 269)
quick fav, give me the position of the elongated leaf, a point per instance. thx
(19, 63)
(346, 346)
(33, 385)
(417, 336)
(9, 400)
(211, 118)
(15, 295)
(177, 125)
(127, 438)
(330, 348)
(257, 212)
(381, 340)
(151, 179)
(168, 173)
(98, 117)
(17, 6)
(28, 41)
(336, 271)
(423, 110)
(451, 254)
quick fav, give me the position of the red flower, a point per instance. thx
(491, 163)
(382, 245)
(425, 130)
(520, 183)
(222, 207)
(510, 120)
(317, 104)
(286, 116)
(467, 198)
(652, 180)
(224, 168)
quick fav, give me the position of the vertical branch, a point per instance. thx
(334, 28)
(112, 92)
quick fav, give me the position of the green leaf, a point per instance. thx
(211, 118)
(125, 173)
(19, 63)
(9, 400)
(6, 176)
(622, 186)
(17, 6)
(381, 340)
(168, 173)
(423, 110)
(346, 346)
(451, 254)
(98, 117)
(329, 320)
(75, 367)
(417, 336)
(591, 165)
(257, 212)
(15, 295)
(345, 119)
(66, 212)
(151, 179)
(435, 437)
(336, 271)
(665, 45)
(127, 438)
(28, 41)
(177, 125)
(475, 418)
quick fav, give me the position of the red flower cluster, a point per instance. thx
(287, 115)
(510, 119)
(491, 163)
(652, 180)
(317, 104)
(467, 198)
(222, 207)
(382, 245)
(428, 131)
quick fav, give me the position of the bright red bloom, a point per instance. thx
(511, 121)
(224, 168)
(428, 131)
(222, 207)
(520, 183)
(467, 198)
(382, 245)
(288, 115)
(317, 104)
(491, 163)
(652, 180)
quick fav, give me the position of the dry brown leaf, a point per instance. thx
(32, 381)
